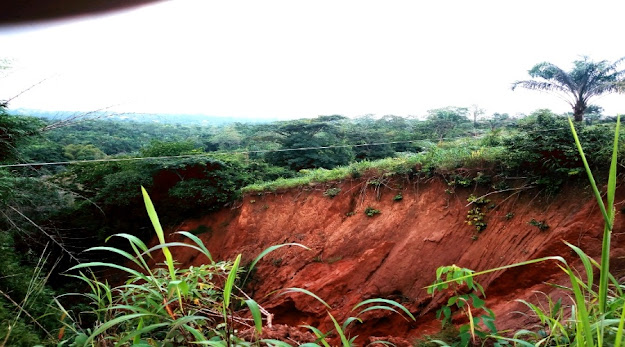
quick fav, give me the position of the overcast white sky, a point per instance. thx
(292, 59)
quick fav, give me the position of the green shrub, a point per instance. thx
(332, 192)
(370, 211)
(541, 225)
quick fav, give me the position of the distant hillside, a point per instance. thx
(165, 118)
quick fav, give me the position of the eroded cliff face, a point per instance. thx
(394, 254)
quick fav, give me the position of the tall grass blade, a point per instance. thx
(591, 178)
(277, 343)
(337, 326)
(582, 317)
(379, 307)
(320, 336)
(136, 335)
(267, 251)
(382, 342)
(159, 231)
(198, 242)
(385, 301)
(119, 267)
(349, 321)
(307, 292)
(587, 264)
(115, 250)
(232, 276)
(621, 327)
(608, 214)
(163, 246)
(255, 310)
(132, 239)
(113, 322)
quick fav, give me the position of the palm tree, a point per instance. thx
(586, 80)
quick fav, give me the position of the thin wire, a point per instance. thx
(199, 155)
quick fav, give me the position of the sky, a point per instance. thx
(294, 59)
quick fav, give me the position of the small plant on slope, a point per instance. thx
(475, 216)
(332, 192)
(370, 211)
(464, 298)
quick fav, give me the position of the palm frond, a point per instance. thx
(551, 72)
(539, 85)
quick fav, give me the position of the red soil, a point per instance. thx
(395, 254)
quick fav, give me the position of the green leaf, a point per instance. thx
(477, 302)
(385, 301)
(182, 286)
(277, 343)
(320, 336)
(136, 334)
(267, 251)
(111, 323)
(339, 331)
(132, 239)
(378, 307)
(229, 284)
(255, 310)
(199, 243)
(114, 250)
(159, 231)
(115, 266)
(349, 321)
(304, 291)
(587, 263)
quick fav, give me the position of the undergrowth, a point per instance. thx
(442, 157)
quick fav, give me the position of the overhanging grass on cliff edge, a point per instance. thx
(444, 156)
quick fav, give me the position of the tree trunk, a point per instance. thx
(578, 111)
(578, 116)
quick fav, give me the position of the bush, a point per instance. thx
(370, 211)
(332, 192)
(543, 145)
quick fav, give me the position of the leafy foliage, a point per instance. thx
(464, 294)
(543, 144)
(587, 79)
(307, 133)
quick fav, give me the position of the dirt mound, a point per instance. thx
(394, 254)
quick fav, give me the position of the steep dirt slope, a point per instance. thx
(394, 254)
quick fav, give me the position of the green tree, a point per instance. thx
(158, 148)
(82, 152)
(445, 122)
(322, 131)
(14, 129)
(586, 80)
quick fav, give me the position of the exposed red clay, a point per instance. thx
(394, 254)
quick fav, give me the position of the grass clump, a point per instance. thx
(399, 165)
